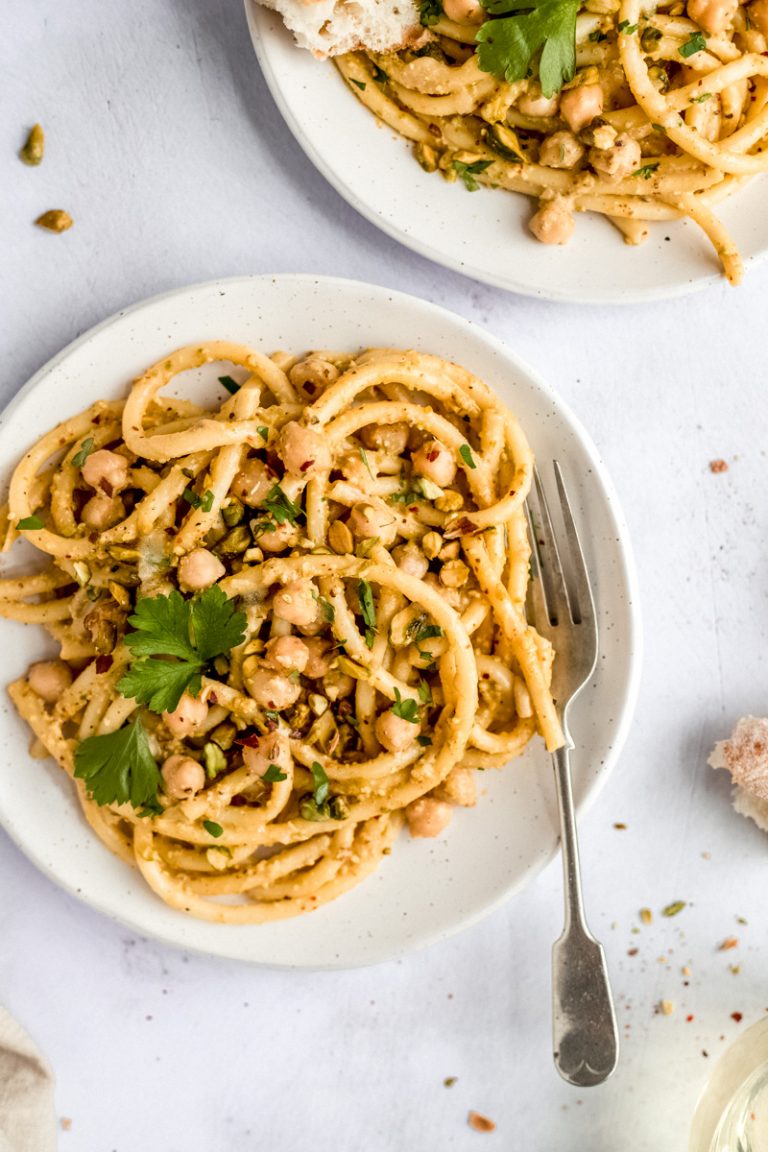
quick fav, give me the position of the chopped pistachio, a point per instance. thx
(224, 735)
(673, 908)
(215, 760)
(318, 703)
(55, 220)
(34, 146)
(82, 572)
(450, 501)
(119, 593)
(235, 542)
(431, 544)
(232, 513)
(454, 574)
(340, 538)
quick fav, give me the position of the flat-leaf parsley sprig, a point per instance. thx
(119, 768)
(192, 632)
(536, 36)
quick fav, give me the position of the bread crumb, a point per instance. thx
(718, 466)
(728, 943)
(65, 1123)
(480, 1123)
(666, 1007)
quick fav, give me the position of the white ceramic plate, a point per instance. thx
(426, 889)
(483, 234)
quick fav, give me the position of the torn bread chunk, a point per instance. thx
(745, 756)
(333, 27)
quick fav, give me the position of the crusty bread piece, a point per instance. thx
(332, 27)
(745, 756)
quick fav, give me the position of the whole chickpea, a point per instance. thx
(200, 569)
(188, 716)
(106, 471)
(288, 654)
(296, 602)
(49, 678)
(411, 560)
(272, 749)
(319, 657)
(435, 462)
(395, 733)
(578, 106)
(389, 438)
(464, 11)
(182, 777)
(268, 687)
(368, 522)
(428, 817)
(303, 451)
(553, 223)
(535, 103)
(102, 511)
(253, 482)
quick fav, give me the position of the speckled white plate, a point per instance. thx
(483, 234)
(426, 889)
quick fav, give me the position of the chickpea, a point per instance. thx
(389, 438)
(188, 717)
(313, 375)
(561, 150)
(460, 787)
(303, 451)
(272, 749)
(553, 223)
(49, 678)
(296, 602)
(337, 684)
(580, 105)
(287, 654)
(270, 688)
(435, 462)
(428, 817)
(368, 522)
(464, 11)
(253, 482)
(107, 471)
(284, 536)
(758, 15)
(318, 659)
(200, 569)
(535, 103)
(395, 733)
(411, 560)
(621, 159)
(182, 777)
(102, 511)
(714, 16)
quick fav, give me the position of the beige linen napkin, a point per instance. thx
(27, 1117)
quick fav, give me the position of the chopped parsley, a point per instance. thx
(469, 171)
(213, 829)
(85, 450)
(534, 36)
(379, 75)
(358, 84)
(425, 692)
(405, 709)
(119, 768)
(280, 507)
(263, 431)
(204, 503)
(364, 458)
(430, 12)
(320, 779)
(696, 42)
(700, 99)
(273, 774)
(424, 741)
(597, 36)
(627, 28)
(466, 454)
(231, 385)
(647, 170)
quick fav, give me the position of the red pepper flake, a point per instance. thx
(688, 1019)
(106, 488)
(480, 1123)
(433, 454)
(728, 943)
(737, 1016)
(306, 465)
(718, 466)
(103, 664)
(249, 738)
(309, 387)
(212, 698)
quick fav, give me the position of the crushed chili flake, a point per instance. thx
(728, 943)
(306, 465)
(688, 1019)
(249, 739)
(480, 1123)
(718, 466)
(737, 1016)
(65, 1123)
(212, 698)
(103, 664)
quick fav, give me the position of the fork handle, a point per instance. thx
(586, 1042)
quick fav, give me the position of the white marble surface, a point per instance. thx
(167, 150)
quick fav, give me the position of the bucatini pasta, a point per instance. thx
(665, 116)
(287, 624)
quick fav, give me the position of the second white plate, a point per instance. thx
(482, 234)
(425, 889)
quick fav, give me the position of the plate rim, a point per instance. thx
(625, 552)
(255, 12)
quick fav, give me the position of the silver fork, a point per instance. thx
(585, 1036)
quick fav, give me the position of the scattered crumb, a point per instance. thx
(737, 1016)
(706, 855)
(728, 943)
(620, 827)
(666, 1007)
(718, 466)
(662, 959)
(686, 970)
(65, 1123)
(632, 951)
(646, 915)
(734, 968)
(673, 908)
(449, 1081)
(704, 1052)
(480, 1123)
(741, 920)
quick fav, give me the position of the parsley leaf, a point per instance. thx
(263, 431)
(30, 524)
(367, 606)
(379, 75)
(213, 829)
(430, 12)
(696, 42)
(119, 768)
(423, 632)
(466, 454)
(85, 450)
(273, 774)
(203, 502)
(280, 507)
(647, 170)
(627, 28)
(405, 709)
(469, 171)
(358, 84)
(424, 741)
(700, 99)
(231, 385)
(425, 692)
(194, 631)
(364, 458)
(321, 782)
(507, 48)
